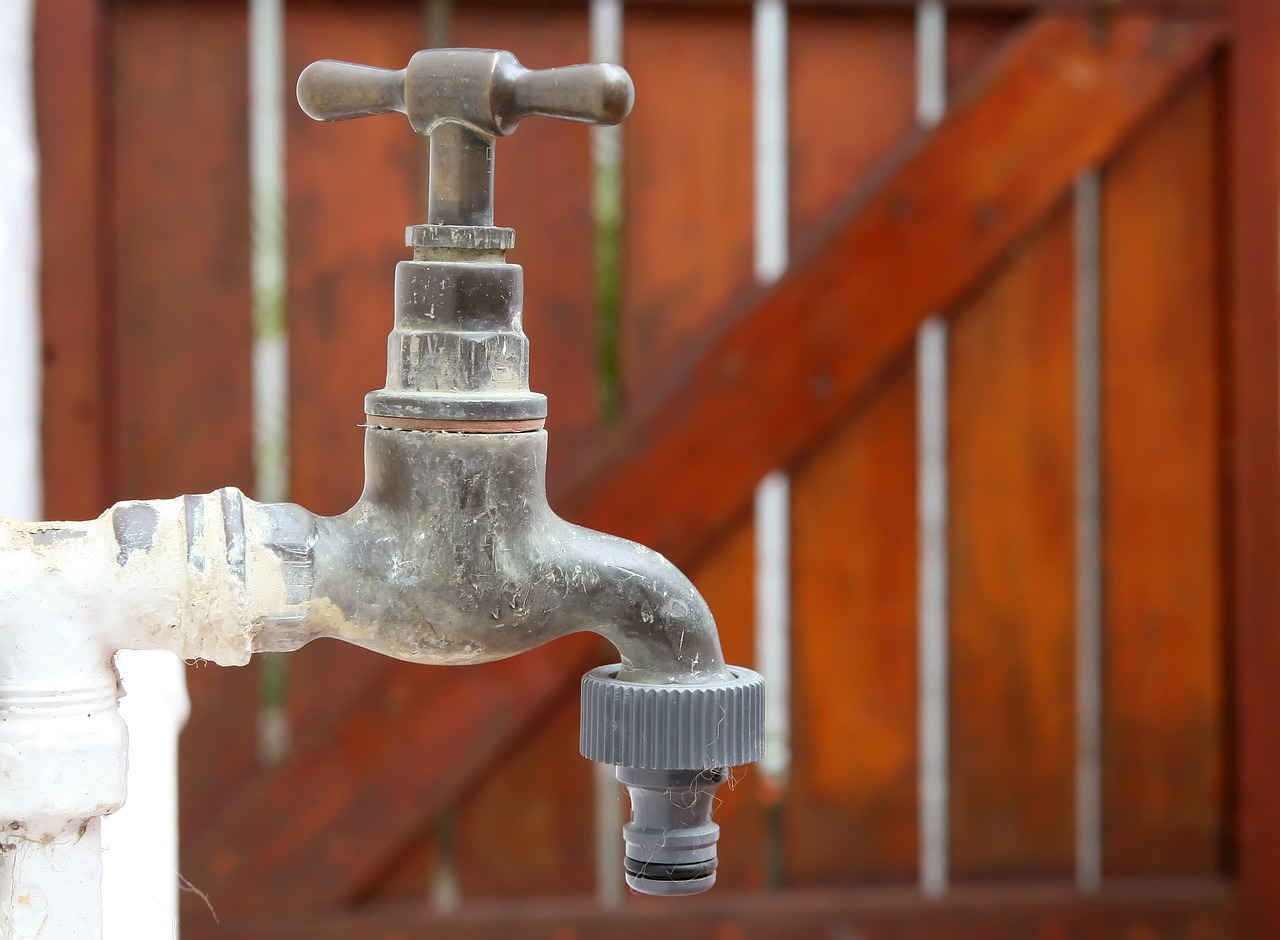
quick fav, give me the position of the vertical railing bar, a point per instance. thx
(1088, 310)
(266, 169)
(932, 509)
(769, 68)
(773, 493)
(439, 23)
(270, 367)
(605, 25)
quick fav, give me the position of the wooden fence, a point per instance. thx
(399, 778)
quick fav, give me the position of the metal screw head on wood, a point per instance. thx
(462, 99)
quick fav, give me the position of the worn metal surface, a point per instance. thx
(462, 99)
(452, 555)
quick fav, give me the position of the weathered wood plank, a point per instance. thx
(322, 825)
(527, 828)
(851, 811)
(1015, 6)
(973, 36)
(179, 343)
(687, 187)
(830, 158)
(1204, 909)
(773, 381)
(723, 424)
(1163, 528)
(353, 186)
(1011, 523)
(78, 397)
(181, 228)
(1253, 159)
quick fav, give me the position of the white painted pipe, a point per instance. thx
(49, 880)
(140, 840)
(161, 575)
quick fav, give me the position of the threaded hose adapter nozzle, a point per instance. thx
(672, 746)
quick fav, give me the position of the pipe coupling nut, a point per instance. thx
(672, 727)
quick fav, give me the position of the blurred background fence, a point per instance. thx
(983, 293)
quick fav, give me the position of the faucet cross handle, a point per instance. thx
(463, 99)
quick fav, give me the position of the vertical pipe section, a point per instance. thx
(52, 882)
(605, 29)
(140, 841)
(270, 335)
(931, 450)
(19, 267)
(1088, 588)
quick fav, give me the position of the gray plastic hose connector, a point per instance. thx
(672, 727)
(671, 745)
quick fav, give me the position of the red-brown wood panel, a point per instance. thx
(78, 400)
(182, 340)
(851, 811)
(528, 827)
(766, 385)
(851, 805)
(1184, 909)
(181, 226)
(1253, 191)
(353, 186)
(543, 190)
(972, 37)
(830, 154)
(1165, 643)
(1012, 566)
(687, 243)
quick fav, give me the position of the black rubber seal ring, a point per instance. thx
(658, 871)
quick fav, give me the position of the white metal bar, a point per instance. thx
(769, 43)
(773, 494)
(609, 845)
(140, 841)
(931, 62)
(934, 684)
(1088, 531)
(20, 496)
(266, 169)
(270, 331)
(773, 618)
(932, 509)
(605, 27)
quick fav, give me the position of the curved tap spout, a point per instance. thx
(452, 555)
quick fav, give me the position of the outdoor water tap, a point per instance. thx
(450, 556)
(452, 553)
